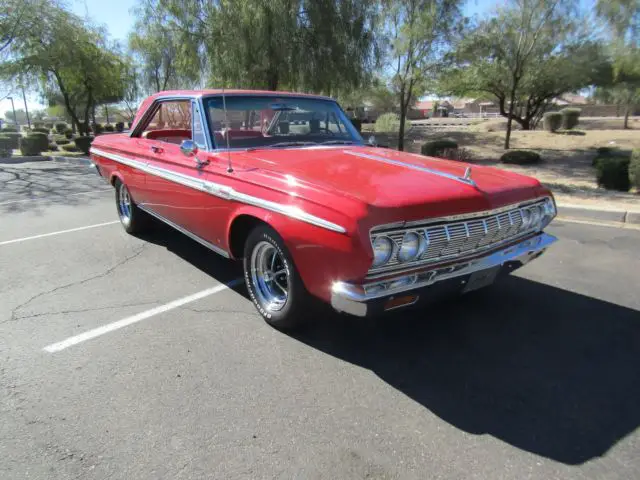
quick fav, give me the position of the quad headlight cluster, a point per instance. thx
(535, 217)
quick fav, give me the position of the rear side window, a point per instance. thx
(170, 123)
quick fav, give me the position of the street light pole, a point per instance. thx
(13, 108)
(26, 110)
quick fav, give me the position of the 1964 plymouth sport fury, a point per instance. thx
(285, 182)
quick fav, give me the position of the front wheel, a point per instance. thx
(273, 282)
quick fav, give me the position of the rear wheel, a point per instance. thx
(132, 218)
(273, 281)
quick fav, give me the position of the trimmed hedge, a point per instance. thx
(37, 124)
(68, 133)
(70, 148)
(52, 147)
(15, 138)
(48, 125)
(552, 121)
(570, 117)
(634, 169)
(120, 126)
(6, 146)
(30, 146)
(109, 128)
(520, 157)
(8, 129)
(612, 172)
(438, 148)
(83, 144)
(40, 130)
(42, 138)
(97, 128)
(387, 122)
(61, 127)
(63, 141)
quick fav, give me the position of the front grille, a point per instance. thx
(458, 238)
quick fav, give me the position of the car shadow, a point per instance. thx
(549, 371)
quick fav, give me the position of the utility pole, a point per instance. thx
(13, 108)
(26, 110)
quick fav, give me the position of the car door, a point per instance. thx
(176, 185)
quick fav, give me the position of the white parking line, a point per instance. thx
(38, 199)
(60, 232)
(125, 322)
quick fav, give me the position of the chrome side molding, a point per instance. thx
(222, 191)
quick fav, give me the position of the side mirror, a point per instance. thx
(188, 148)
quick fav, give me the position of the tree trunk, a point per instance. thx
(507, 137)
(403, 116)
(627, 110)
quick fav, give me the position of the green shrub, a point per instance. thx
(120, 126)
(40, 130)
(6, 146)
(42, 139)
(552, 121)
(63, 141)
(15, 138)
(37, 124)
(97, 128)
(570, 117)
(438, 148)
(612, 172)
(48, 125)
(30, 146)
(109, 128)
(387, 122)
(70, 148)
(520, 157)
(634, 169)
(83, 144)
(68, 133)
(61, 127)
(8, 129)
(52, 147)
(605, 150)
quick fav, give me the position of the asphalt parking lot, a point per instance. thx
(141, 358)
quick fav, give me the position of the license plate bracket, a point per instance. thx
(481, 278)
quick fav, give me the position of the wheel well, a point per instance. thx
(240, 229)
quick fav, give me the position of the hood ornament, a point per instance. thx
(467, 177)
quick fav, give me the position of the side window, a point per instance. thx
(170, 123)
(198, 132)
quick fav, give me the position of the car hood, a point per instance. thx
(387, 178)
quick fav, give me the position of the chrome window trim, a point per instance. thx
(223, 191)
(412, 166)
(154, 106)
(193, 236)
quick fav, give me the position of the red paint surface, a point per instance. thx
(354, 192)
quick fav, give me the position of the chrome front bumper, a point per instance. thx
(359, 300)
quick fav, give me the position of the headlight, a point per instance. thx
(411, 248)
(382, 251)
(536, 216)
(526, 219)
(548, 212)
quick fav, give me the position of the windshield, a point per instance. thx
(263, 121)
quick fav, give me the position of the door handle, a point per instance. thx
(156, 149)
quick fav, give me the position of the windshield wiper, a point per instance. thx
(282, 144)
(337, 142)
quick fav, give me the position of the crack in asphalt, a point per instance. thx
(217, 310)
(83, 310)
(14, 313)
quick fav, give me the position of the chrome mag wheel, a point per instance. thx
(124, 204)
(270, 276)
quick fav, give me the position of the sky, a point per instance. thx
(118, 17)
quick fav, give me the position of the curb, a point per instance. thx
(598, 214)
(45, 158)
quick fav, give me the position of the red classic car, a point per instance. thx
(285, 182)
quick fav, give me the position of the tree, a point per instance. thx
(319, 45)
(417, 34)
(72, 62)
(16, 18)
(531, 52)
(623, 19)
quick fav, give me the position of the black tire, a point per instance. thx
(133, 220)
(299, 304)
